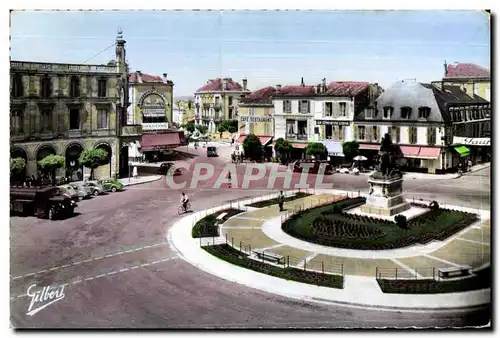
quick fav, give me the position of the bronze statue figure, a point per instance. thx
(388, 156)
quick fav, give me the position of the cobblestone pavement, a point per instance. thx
(121, 272)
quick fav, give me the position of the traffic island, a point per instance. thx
(208, 226)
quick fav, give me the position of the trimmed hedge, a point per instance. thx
(236, 257)
(266, 203)
(481, 280)
(207, 227)
(325, 225)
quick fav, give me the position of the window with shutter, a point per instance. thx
(375, 134)
(341, 133)
(356, 135)
(362, 133)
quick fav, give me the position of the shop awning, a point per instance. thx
(160, 141)
(429, 153)
(299, 145)
(409, 151)
(369, 146)
(334, 148)
(462, 150)
(264, 140)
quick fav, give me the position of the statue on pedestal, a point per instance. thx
(389, 154)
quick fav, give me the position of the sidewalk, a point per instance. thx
(358, 291)
(139, 180)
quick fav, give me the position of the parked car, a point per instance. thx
(68, 190)
(82, 189)
(212, 152)
(41, 202)
(164, 167)
(111, 185)
(299, 167)
(173, 171)
(95, 188)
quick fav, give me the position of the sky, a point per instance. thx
(266, 47)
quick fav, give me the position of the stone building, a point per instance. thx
(65, 108)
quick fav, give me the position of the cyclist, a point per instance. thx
(184, 201)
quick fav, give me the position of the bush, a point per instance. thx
(481, 280)
(236, 257)
(401, 222)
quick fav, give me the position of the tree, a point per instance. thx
(283, 148)
(189, 127)
(252, 147)
(221, 128)
(50, 164)
(93, 158)
(316, 149)
(17, 166)
(350, 150)
(232, 129)
(202, 129)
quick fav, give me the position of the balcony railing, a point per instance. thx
(154, 126)
(131, 130)
(217, 107)
(103, 132)
(74, 133)
(299, 137)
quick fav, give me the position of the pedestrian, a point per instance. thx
(281, 200)
(469, 165)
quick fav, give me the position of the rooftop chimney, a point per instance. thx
(323, 87)
(139, 76)
(224, 84)
(445, 68)
(245, 84)
(165, 77)
(302, 82)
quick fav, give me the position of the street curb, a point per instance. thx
(154, 179)
(179, 238)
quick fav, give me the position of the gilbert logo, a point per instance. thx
(42, 298)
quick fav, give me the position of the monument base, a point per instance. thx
(386, 197)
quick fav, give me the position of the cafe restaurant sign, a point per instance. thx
(332, 122)
(247, 118)
(469, 141)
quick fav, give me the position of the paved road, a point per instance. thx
(122, 273)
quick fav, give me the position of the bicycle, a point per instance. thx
(181, 210)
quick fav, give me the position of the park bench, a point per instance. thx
(454, 271)
(220, 218)
(269, 256)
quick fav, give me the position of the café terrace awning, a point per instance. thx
(425, 153)
(264, 140)
(462, 150)
(160, 141)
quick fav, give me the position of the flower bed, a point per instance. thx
(327, 225)
(236, 257)
(207, 226)
(481, 280)
(266, 203)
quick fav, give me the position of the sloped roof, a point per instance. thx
(216, 85)
(345, 88)
(146, 78)
(461, 70)
(260, 96)
(297, 90)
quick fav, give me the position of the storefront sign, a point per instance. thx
(469, 141)
(247, 118)
(332, 122)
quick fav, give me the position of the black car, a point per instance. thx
(164, 168)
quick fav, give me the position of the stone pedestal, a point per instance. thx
(386, 197)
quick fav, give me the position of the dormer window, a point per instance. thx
(369, 113)
(388, 111)
(424, 113)
(405, 113)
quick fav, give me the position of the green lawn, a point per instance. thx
(325, 226)
(207, 227)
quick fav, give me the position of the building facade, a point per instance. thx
(417, 116)
(255, 116)
(62, 109)
(471, 78)
(183, 112)
(217, 101)
(320, 113)
(151, 99)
